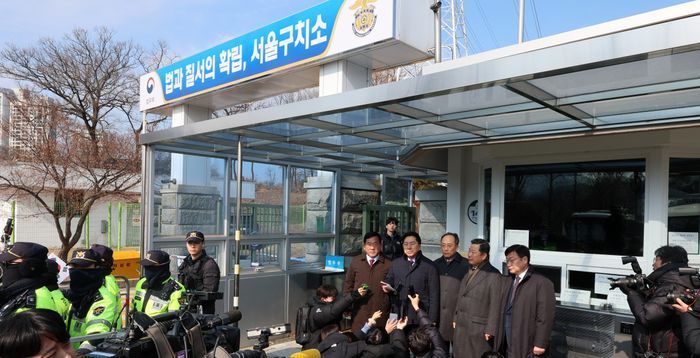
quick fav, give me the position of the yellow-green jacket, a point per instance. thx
(152, 302)
(100, 317)
(61, 302)
(39, 298)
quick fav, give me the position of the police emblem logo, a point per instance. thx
(80, 254)
(365, 18)
(98, 311)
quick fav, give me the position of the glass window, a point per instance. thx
(188, 194)
(262, 200)
(310, 201)
(396, 191)
(257, 254)
(588, 207)
(581, 280)
(309, 253)
(179, 252)
(684, 201)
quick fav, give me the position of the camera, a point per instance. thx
(637, 281)
(180, 331)
(688, 296)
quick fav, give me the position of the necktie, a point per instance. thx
(412, 261)
(371, 262)
(513, 289)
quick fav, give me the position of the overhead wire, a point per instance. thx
(537, 19)
(487, 23)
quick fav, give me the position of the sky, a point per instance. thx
(189, 27)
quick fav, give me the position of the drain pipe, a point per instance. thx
(438, 30)
(237, 255)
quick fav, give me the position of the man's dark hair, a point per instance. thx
(411, 233)
(370, 235)
(521, 250)
(484, 246)
(450, 233)
(419, 341)
(326, 291)
(376, 336)
(391, 219)
(674, 254)
(20, 335)
(328, 330)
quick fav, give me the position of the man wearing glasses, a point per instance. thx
(527, 313)
(413, 273)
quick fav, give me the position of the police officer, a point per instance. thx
(23, 285)
(93, 308)
(198, 271)
(106, 258)
(157, 292)
(51, 281)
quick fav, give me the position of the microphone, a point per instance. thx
(222, 319)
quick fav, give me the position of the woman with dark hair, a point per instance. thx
(35, 333)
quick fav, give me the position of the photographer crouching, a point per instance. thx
(657, 328)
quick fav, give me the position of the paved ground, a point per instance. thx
(281, 349)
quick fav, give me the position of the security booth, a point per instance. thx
(582, 146)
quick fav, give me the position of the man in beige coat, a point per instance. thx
(476, 318)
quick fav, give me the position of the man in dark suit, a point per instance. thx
(527, 308)
(478, 304)
(413, 273)
(451, 267)
(370, 269)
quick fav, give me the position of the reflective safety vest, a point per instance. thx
(112, 286)
(100, 318)
(61, 302)
(152, 302)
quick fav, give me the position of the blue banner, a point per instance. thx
(297, 38)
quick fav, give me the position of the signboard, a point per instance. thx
(688, 240)
(570, 295)
(328, 29)
(334, 263)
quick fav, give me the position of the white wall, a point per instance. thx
(656, 147)
(32, 223)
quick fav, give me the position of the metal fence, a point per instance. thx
(374, 217)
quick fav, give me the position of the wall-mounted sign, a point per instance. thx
(473, 211)
(325, 30)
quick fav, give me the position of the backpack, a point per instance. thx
(303, 325)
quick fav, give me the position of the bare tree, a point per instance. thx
(82, 151)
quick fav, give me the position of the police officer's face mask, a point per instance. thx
(85, 280)
(11, 273)
(156, 275)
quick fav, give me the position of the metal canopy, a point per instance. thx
(641, 78)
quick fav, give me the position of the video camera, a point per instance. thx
(195, 298)
(263, 336)
(637, 281)
(178, 332)
(689, 296)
